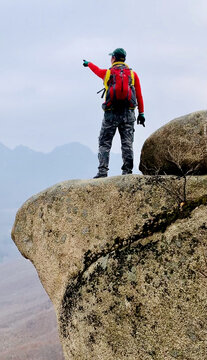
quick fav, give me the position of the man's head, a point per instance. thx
(118, 54)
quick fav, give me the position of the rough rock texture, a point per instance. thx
(177, 148)
(123, 261)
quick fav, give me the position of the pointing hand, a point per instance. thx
(85, 63)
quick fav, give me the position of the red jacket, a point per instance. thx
(102, 73)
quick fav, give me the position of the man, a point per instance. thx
(123, 94)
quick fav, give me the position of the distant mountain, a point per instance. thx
(28, 327)
(24, 172)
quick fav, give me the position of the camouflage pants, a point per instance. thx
(125, 124)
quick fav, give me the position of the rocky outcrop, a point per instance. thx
(177, 148)
(123, 261)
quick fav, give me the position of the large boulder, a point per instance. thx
(177, 148)
(123, 260)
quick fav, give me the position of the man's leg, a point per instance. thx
(126, 130)
(107, 133)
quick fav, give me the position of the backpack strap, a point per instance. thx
(132, 76)
(106, 79)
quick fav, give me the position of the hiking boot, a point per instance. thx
(124, 172)
(99, 175)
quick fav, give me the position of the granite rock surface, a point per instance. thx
(123, 260)
(177, 148)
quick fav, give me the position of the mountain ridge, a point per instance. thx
(25, 172)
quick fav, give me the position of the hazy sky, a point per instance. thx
(47, 98)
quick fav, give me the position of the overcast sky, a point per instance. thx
(47, 98)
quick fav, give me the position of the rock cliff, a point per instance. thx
(123, 260)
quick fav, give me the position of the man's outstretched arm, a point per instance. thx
(99, 72)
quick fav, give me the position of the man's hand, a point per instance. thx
(141, 119)
(85, 63)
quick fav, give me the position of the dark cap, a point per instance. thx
(119, 53)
